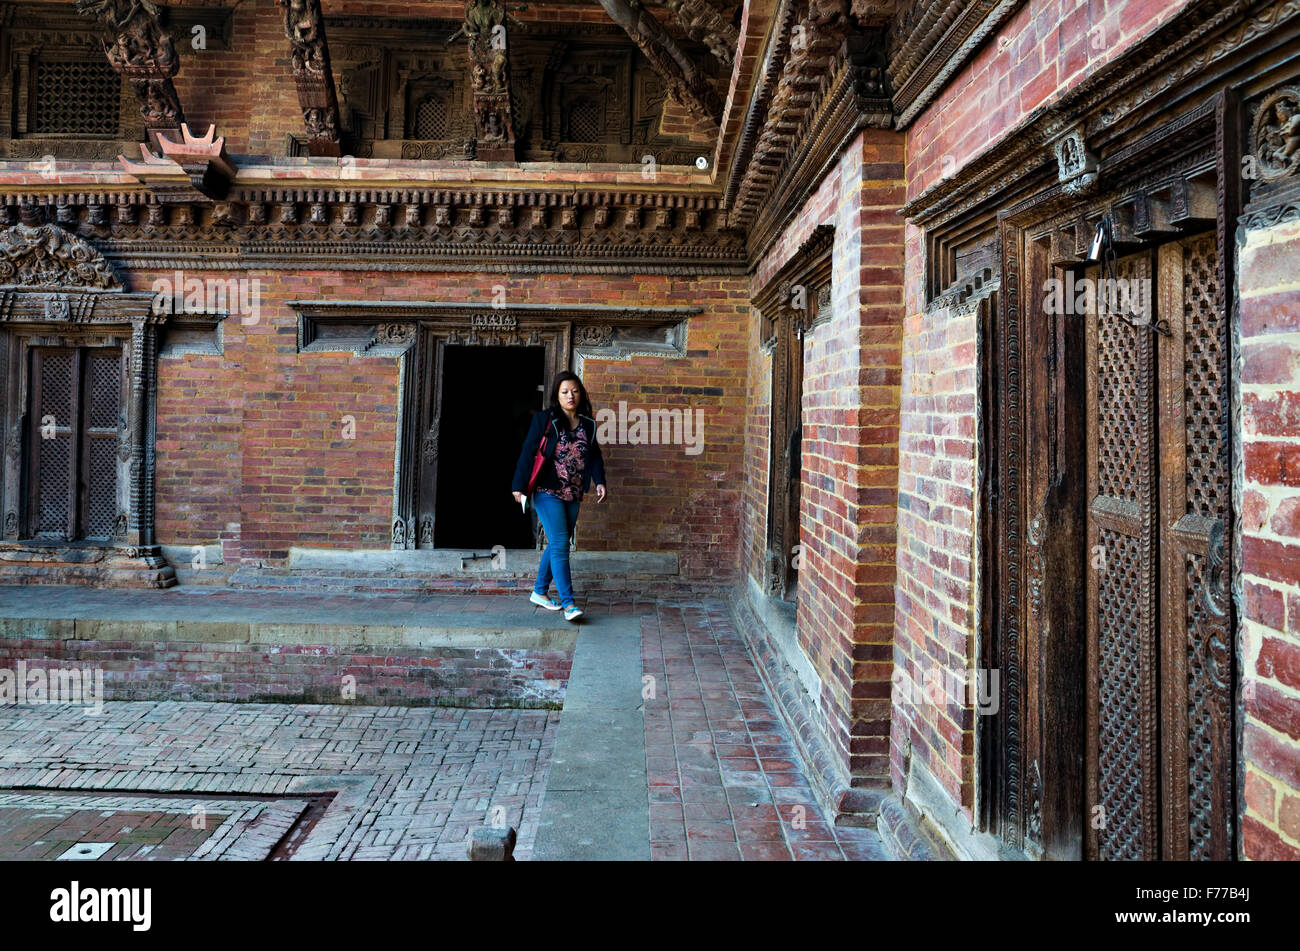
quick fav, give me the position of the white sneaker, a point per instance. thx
(545, 602)
(572, 613)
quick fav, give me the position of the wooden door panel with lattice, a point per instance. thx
(1159, 744)
(1122, 774)
(76, 420)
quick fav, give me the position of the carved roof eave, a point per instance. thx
(352, 311)
(811, 263)
(921, 69)
(1204, 32)
(774, 53)
(802, 106)
(837, 116)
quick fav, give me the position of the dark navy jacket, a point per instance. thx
(544, 423)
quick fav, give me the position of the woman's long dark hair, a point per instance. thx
(584, 404)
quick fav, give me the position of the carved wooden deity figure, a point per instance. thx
(140, 45)
(141, 50)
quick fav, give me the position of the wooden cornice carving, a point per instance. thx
(800, 292)
(304, 27)
(932, 41)
(809, 267)
(404, 229)
(387, 327)
(35, 255)
(686, 83)
(142, 52)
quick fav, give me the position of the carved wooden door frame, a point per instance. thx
(414, 332)
(792, 303)
(1181, 181)
(431, 346)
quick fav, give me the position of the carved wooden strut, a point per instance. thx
(304, 26)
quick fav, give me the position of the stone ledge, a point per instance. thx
(849, 804)
(522, 562)
(903, 835)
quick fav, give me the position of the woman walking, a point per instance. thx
(571, 463)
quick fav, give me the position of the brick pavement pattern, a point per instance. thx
(725, 780)
(428, 775)
(40, 826)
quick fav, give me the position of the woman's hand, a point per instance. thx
(600, 493)
(519, 496)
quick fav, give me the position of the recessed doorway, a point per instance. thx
(487, 397)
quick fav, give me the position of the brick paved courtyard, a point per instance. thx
(410, 783)
(303, 781)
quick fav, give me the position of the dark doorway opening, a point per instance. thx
(488, 398)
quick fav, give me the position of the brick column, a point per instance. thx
(1270, 540)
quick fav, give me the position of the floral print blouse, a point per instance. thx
(570, 462)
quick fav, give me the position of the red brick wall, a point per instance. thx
(850, 432)
(936, 540)
(1043, 50)
(212, 671)
(254, 436)
(1270, 542)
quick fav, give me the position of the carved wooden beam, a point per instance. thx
(304, 27)
(686, 84)
(142, 52)
(201, 160)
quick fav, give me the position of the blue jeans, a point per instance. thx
(558, 518)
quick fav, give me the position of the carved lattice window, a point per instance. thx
(584, 121)
(430, 120)
(75, 97)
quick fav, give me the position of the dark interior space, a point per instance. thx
(489, 395)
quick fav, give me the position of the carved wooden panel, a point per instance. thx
(1160, 776)
(1195, 517)
(74, 97)
(1123, 779)
(51, 418)
(100, 437)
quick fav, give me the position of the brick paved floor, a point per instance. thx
(415, 781)
(51, 825)
(725, 780)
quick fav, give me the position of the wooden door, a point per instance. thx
(1159, 744)
(75, 406)
(786, 464)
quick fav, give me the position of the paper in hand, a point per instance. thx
(523, 504)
